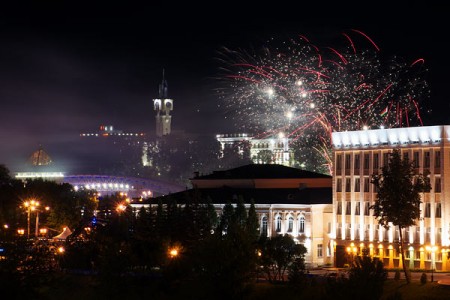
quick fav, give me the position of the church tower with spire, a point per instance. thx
(163, 105)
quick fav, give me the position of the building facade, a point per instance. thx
(360, 154)
(269, 150)
(287, 201)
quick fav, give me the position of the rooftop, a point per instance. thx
(260, 196)
(262, 171)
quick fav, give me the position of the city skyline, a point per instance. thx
(67, 70)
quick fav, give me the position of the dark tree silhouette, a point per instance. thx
(399, 190)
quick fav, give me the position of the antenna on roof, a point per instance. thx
(163, 87)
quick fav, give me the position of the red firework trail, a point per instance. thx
(417, 111)
(339, 54)
(420, 60)
(368, 38)
(351, 42)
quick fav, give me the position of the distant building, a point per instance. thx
(268, 150)
(358, 155)
(40, 158)
(40, 166)
(163, 106)
(109, 131)
(287, 200)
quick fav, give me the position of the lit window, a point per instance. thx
(264, 226)
(290, 224)
(278, 224)
(302, 225)
(319, 250)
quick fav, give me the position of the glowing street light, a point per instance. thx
(37, 220)
(121, 207)
(33, 206)
(352, 252)
(173, 252)
(30, 206)
(432, 250)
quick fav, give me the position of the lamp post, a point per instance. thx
(30, 206)
(432, 250)
(37, 220)
(352, 253)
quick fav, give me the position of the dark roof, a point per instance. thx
(260, 196)
(262, 171)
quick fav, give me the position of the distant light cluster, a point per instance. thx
(32, 175)
(308, 92)
(110, 131)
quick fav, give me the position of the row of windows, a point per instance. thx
(348, 209)
(366, 185)
(290, 224)
(416, 254)
(385, 237)
(381, 234)
(376, 160)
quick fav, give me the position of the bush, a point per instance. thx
(423, 278)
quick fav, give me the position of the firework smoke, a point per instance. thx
(308, 92)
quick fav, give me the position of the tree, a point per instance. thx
(252, 222)
(399, 190)
(5, 177)
(226, 219)
(278, 253)
(240, 212)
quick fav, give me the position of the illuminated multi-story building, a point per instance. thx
(269, 150)
(360, 154)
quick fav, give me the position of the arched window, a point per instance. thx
(278, 224)
(290, 224)
(301, 227)
(264, 226)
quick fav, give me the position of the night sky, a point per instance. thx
(68, 67)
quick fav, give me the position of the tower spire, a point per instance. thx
(163, 87)
(163, 105)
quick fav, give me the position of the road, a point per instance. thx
(443, 278)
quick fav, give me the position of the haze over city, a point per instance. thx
(67, 69)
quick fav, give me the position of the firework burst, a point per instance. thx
(308, 91)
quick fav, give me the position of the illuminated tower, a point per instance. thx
(163, 106)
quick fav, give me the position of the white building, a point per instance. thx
(273, 149)
(287, 201)
(360, 154)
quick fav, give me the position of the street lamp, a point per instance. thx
(30, 206)
(37, 220)
(352, 252)
(121, 208)
(432, 250)
(173, 252)
(43, 231)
